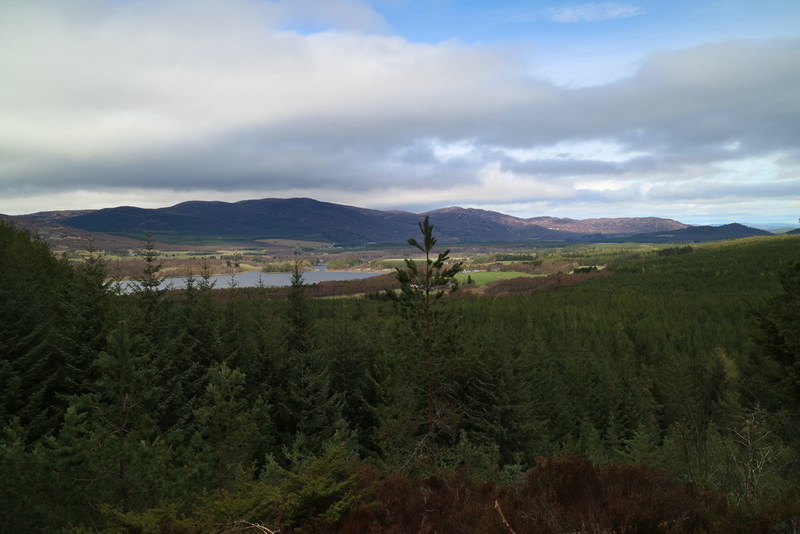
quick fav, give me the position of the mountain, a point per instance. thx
(303, 219)
(311, 220)
(619, 227)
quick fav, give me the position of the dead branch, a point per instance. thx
(503, 518)
(247, 525)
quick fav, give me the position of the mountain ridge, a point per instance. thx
(313, 220)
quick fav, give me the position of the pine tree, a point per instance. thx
(420, 298)
(229, 426)
(30, 369)
(778, 336)
(299, 336)
(775, 369)
(112, 432)
(85, 304)
(148, 284)
(308, 410)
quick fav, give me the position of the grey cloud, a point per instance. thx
(227, 101)
(718, 190)
(555, 168)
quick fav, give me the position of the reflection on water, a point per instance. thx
(251, 278)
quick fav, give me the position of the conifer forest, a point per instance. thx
(660, 397)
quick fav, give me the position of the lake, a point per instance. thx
(251, 278)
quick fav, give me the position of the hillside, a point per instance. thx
(697, 234)
(311, 220)
(609, 226)
(61, 237)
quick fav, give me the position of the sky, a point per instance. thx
(686, 109)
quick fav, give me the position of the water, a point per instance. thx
(250, 279)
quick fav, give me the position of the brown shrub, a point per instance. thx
(568, 494)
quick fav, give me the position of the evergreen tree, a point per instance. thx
(30, 369)
(308, 410)
(229, 427)
(354, 350)
(775, 367)
(162, 327)
(148, 284)
(299, 335)
(420, 298)
(778, 336)
(496, 406)
(110, 433)
(85, 304)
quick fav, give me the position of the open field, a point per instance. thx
(480, 278)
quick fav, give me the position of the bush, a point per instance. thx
(568, 494)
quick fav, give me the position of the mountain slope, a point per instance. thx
(62, 237)
(609, 226)
(697, 234)
(312, 220)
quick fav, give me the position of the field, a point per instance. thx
(481, 278)
(483, 264)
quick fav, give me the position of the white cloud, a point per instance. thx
(594, 12)
(594, 150)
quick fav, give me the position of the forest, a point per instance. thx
(662, 396)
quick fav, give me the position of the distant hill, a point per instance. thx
(311, 220)
(698, 234)
(618, 227)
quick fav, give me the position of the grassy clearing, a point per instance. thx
(483, 278)
(294, 243)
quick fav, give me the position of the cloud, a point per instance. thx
(594, 12)
(237, 98)
(341, 15)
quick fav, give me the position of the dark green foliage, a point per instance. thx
(324, 492)
(228, 426)
(26, 503)
(345, 263)
(148, 284)
(358, 367)
(308, 411)
(30, 366)
(115, 421)
(210, 411)
(86, 301)
(287, 267)
(430, 340)
(775, 367)
(299, 336)
(674, 251)
(778, 334)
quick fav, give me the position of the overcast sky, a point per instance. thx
(688, 109)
